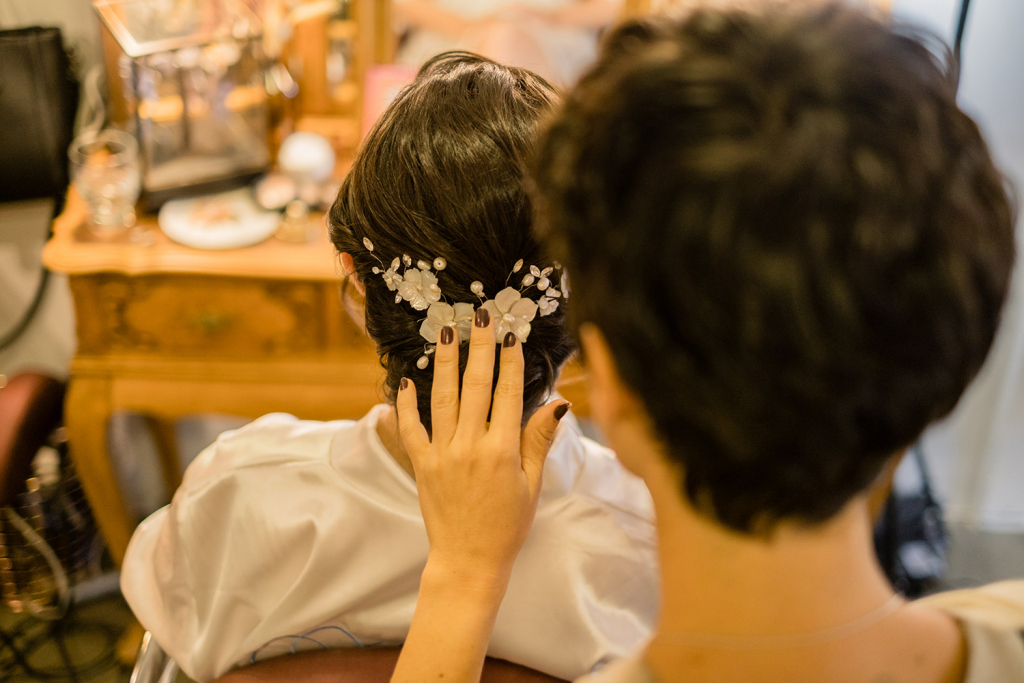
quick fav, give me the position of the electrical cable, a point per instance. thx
(965, 6)
(12, 335)
(53, 632)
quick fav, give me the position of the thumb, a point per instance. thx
(536, 441)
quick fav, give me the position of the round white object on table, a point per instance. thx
(306, 156)
(223, 221)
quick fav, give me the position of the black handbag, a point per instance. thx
(38, 103)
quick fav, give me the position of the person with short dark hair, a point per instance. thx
(789, 250)
(293, 534)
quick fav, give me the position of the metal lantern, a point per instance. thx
(191, 73)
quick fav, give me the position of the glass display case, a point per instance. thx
(192, 81)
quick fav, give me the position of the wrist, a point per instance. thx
(456, 608)
(474, 581)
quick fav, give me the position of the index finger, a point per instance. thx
(414, 435)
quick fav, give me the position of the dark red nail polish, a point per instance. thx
(403, 384)
(561, 410)
(447, 335)
(482, 317)
(510, 340)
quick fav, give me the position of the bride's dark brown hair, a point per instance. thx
(442, 175)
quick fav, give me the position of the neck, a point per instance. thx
(800, 580)
(387, 430)
(715, 581)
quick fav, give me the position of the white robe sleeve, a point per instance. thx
(196, 573)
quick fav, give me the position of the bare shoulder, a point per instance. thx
(991, 619)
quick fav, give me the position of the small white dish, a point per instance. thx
(222, 221)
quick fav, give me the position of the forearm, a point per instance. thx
(478, 478)
(452, 625)
(424, 14)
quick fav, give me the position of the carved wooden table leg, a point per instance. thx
(87, 411)
(167, 448)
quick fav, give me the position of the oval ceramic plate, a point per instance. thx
(222, 221)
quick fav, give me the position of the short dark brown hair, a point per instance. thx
(442, 173)
(794, 241)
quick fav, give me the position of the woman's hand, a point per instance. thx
(478, 485)
(478, 482)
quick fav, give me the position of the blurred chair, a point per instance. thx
(339, 665)
(30, 409)
(46, 537)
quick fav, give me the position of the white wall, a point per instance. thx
(977, 455)
(76, 19)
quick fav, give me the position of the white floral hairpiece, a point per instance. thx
(512, 311)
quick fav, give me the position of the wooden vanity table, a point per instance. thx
(167, 330)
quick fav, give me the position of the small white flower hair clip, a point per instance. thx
(511, 309)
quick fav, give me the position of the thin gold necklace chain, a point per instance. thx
(782, 641)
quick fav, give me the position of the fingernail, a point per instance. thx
(447, 335)
(561, 410)
(510, 340)
(482, 317)
(403, 384)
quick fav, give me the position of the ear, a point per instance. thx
(622, 417)
(350, 270)
(611, 401)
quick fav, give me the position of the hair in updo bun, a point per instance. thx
(442, 174)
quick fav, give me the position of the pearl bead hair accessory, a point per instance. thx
(511, 310)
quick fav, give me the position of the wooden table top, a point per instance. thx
(73, 250)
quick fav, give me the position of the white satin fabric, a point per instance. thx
(285, 526)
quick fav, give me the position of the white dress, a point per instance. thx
(287, 526)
